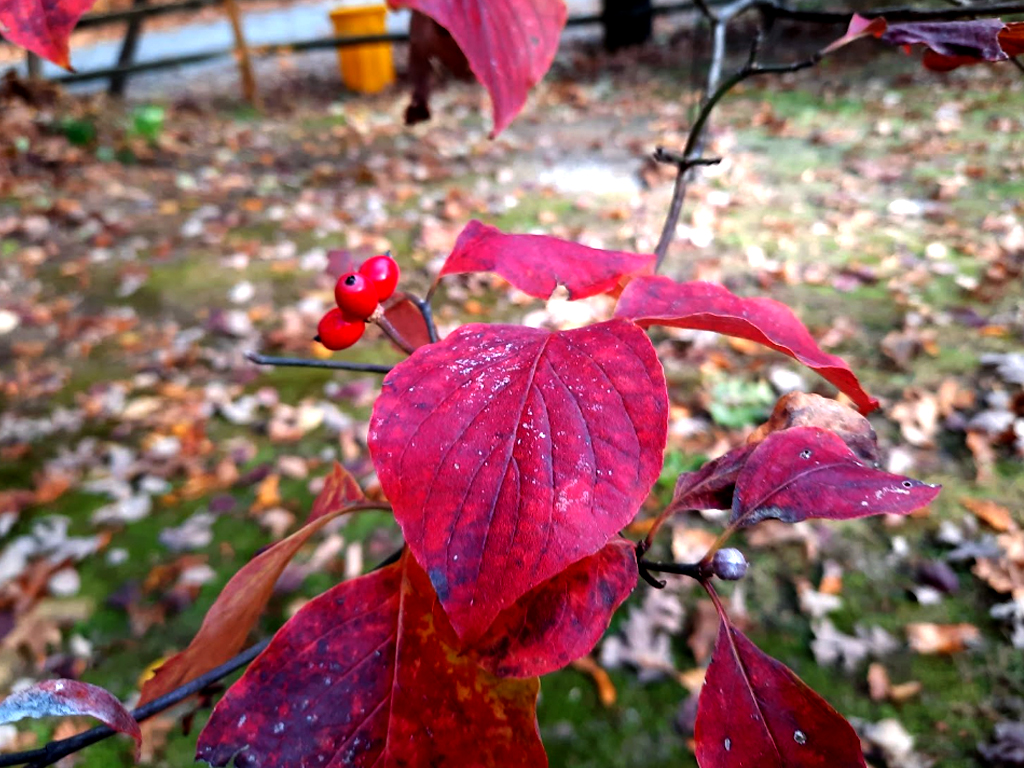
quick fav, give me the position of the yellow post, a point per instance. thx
(364, 68)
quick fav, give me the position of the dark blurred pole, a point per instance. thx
(626, 23)
(126, 57)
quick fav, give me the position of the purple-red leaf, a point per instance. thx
(510, 453)
(233, 615)
(710, 307)
(42, 26)
(509, 44)
(711, 486)
(754, 712)
(68, 698)
(807, 472)
(976, 38)
(407, 319)
(537, 264)
(340, 491)
(369, 674)
(562, 619)
(949, 44)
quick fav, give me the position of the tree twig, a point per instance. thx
(690, 155)
(55, 750)
(303, 362)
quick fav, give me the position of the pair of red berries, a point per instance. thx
(358, 294)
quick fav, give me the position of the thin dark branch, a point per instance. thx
(691, 153)
(428, 316)
(55, 750)
(302, 362)
(693, 570)
(392, 333)
(1017, 63)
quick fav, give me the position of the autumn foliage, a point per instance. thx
(513, 458)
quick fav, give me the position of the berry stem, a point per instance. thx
(392, 332)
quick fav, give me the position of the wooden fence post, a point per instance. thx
(249, 90)
(126, 58)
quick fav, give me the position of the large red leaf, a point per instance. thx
(807, 472)
(510, 44)
(70, 698)
(711, 307)
(509, 453)
(537, 264)
(42, 26)
(754, 712)
(369, 674)
(238, 607)
(563, 618)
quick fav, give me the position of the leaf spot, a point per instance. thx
(728, 744)
(800, 737)
(805, 453)
(908, 484)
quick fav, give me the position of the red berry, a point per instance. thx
(383, 272)
(335, 331)
(356, 295)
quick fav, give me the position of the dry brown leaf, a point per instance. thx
(927, 638)
(904, 691)
(984, 455)
(878, 682)
(606, 692)
(1005, 574)
(831, 578)
(989, 512)
(268, 493)
(703, 631)
(798, 409)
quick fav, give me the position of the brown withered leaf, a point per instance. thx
(931, 639)
(799, 409)
(878, 682)
(989, 512)
(703, 631)
(1004, 574)
(606, 692)
(984, 455)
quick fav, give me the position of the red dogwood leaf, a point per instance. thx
(69, 698)
(42, 26)
(537, 264)
(711, 307)
(949, 44)
(711, 486)
(754, 712)
(509, 44)
(859, 27)
(978, 38)
(509, 453)
(562, 619)
(409, 322)
(807, 472)
(340, 491)
(369, 674)
(233, 615)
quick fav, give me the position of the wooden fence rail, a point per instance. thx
(134, 17)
